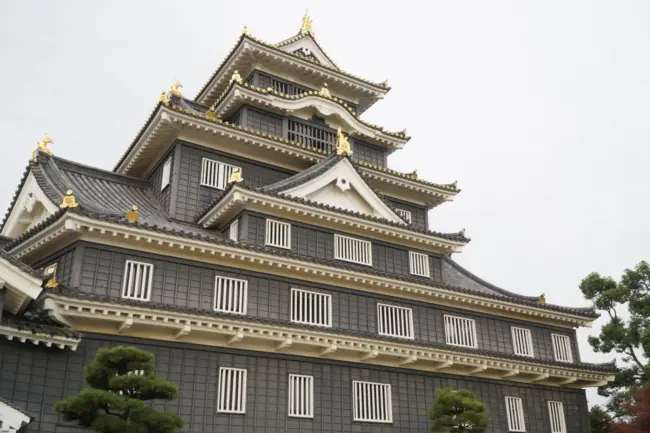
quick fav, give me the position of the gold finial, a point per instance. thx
(164, 98)
(235, 176)
(414, 175)
(174, 89)
(236, 77)
(342, 144)
(542, 298)
(51, 282)
(307, 27)
(41, 146)
(245, 32)
(69, 202)
(324, 91)
(133, 216)
(211, 114)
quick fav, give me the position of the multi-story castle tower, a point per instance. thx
(286, 279)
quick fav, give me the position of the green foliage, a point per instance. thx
(630, 337)
(458, 411)
(600, 421)
(115, 401)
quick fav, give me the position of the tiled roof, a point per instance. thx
(19, 264)
(76, 294)
(37, 325)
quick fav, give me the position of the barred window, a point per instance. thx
(232, 390)
(230, 295)
(301, 396)
(522, 341)
(404, 214)
(216, 174)
(166, 174)
(278, 234)
(419, 264)
(395, 321)
(562, 348)
(556, 414)
(233, 231)
(460, 331)
(515, 414)
(371, 402)
(352, 250)
(137, 280)
(311, 308)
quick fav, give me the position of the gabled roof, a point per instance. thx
(21, 282)
(300, 41)
(12, 418)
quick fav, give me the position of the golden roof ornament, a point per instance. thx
(414, 175)
(324, 91)
(174, 89)
(211, 114)
(307, 25)
(69, 202)
(245, 32)
(236, 77)
(235, 176)
(41, 146)
(164, 98)
(342, 144)
(51, 282)
(133, 216)
(542, 299)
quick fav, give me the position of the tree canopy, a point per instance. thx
(639, 414)
(458, 411)
(121, 381)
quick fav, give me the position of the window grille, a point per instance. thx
(404, 214)
(460, 331)
(352, 250)
(301, 396)
(137, 280)
(278, 234)
(522, 341)
(395, 321)
(371, 402)
(311, 135)
(556, 414)
(216, 174)
(166, 174)
(230, 295)
(233, 231)
(419, 264)
(562, 348)
(515, 413)
(232, 390)
(311, 308)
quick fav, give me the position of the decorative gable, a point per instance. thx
(30, 208)
(307, 47)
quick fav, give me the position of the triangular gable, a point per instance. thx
(30, 207)
(341, 186)
(12, 419)
(306, 46)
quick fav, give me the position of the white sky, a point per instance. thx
(538, 108)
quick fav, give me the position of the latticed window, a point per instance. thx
(216, 174)
(230, 295)
(562, 348)
(460, 331)
(166, 174)
(311, 308)
(301, 396)
(371, 402)
(515, 414)
(522, 341)
(232, 390)
(278, 234)
(352, 250)
(137, 280)
(311, 135)
(233, 230)
(394, 321)
(556, 415)
(419, 264)
(404, 214)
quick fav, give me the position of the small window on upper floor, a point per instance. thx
(233, 230)
(394, 321)
(515, 414)
(404, 214)
(166, 174)
(460, 331)
(137, 280)
(278, 234)
(231, 397)
(215, 174)
(419, 264)
(371, 402)
(301, 396)
(230, 295)
(352, 250)
(522, 341)
(562, 348)
(311, 308)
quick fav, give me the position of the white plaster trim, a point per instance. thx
(286, 339)
(48, 340)
(316, 51)
(23, 286)
(30, 186)
(14, 418)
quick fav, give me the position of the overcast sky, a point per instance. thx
(540, 109)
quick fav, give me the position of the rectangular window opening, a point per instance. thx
(371, 402)
(215, 174)
(311, 308)
(419, 264)
(232, 390)
(515, 414)
(352, 250)
(301, 396)
(137, 280)
(394, 321)
(460, 331)
(562, 348)
(278, 234)
(166, 174)
(230, 295)
(522, 341)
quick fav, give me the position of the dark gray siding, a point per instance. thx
(35, 377)
(365, 152)
(191, 285)
(192, 198)
(155, 178)
(64, 260)
(419, 214)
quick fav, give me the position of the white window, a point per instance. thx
(522, 341)
(394, 321)
(515, 412)
(216, 174)
(166, 174)
(562, 348)
(278, 234)
(230, 295)
(232, 390)
(460, 331)
(404, 214)
(419, 264)
(137, 280)
(371, 402)
(352, 250)
(311, 308)
(556, 414)
(301, 396)
(233, 231)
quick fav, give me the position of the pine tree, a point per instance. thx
(121, 381)
(458, 411)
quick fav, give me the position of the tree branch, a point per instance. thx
(634, 357)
